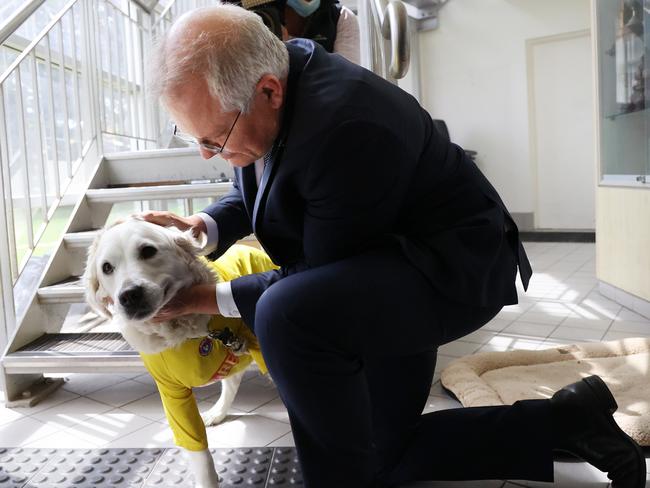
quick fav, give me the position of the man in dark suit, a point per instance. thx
(390, 243)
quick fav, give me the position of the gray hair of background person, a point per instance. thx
(232, 55)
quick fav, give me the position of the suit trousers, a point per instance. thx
(352, 348)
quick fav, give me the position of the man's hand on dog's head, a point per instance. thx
(166, 219)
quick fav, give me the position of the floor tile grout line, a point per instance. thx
(124, 380)
(105, 446)
(278, 438)
(142, 398)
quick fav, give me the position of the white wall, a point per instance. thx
(474, 77)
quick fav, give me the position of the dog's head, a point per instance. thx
(134, 267)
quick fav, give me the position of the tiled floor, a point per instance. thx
(562, 306)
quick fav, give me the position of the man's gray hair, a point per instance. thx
(232, 57)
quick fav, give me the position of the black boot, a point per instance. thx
(583, 425)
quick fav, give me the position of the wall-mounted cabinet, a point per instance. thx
(622, 41)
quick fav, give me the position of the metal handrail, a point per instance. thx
(387, 38)
(18, 18)
(49, 121)
(46, 81)
(394, 28)
(163, 15)
(32, 45)
(147, 6)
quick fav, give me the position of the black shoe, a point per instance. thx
(583, 425)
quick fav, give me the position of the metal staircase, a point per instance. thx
(39, 345)
(55, 334)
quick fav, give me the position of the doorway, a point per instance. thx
(561, 101)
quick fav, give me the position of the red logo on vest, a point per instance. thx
(226, 366)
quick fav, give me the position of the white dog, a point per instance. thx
(133, 269)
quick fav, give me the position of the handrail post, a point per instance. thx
(8, 315)
(154, 112)
(93, 77)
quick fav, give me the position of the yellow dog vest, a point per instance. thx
(198, 362)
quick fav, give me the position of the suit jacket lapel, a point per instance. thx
(263, 188)
(296, 65)
(249, 187)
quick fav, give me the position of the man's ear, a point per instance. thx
(94, 295)
(271, 89)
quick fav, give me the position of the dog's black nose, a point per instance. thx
(131, 297)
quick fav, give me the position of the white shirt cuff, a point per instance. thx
(225, 300)
(213, 233)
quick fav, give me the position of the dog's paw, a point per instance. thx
(213, 416)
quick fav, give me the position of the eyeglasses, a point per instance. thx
(213, 148)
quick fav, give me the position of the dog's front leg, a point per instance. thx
(202, 466)
(219, 411)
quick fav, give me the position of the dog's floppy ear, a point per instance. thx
(190, 244)
(91, 282)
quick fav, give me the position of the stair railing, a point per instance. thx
(75, 92)
(40, 92)
(385, 38)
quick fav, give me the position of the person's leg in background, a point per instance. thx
(324, 334)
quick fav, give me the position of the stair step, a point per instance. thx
(79, 240)
(70, 290)
(159, 192)
(100, 352)
(83, 240)
(156, 165)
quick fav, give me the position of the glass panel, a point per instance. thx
(59, 103)
(39, 19)
(31, 108)
(73, 110)
(177, 206)
(623, 41)
(46, 116)
(125, 209)
(16, 167)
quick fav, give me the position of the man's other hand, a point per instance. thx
(166, 219)
(194, 299)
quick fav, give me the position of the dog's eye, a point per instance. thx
(107, 268)
(148, 252)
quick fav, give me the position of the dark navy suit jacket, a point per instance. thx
(359, 164)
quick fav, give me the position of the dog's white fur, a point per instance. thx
(172, 267)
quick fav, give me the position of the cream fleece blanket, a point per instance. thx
(501, 378)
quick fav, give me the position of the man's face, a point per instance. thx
(198, 114)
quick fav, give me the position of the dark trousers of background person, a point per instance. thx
(352, 348)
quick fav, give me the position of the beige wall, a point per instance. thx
(474, 76)
(623, 239)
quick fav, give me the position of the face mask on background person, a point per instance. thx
(304, 8)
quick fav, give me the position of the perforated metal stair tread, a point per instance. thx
(75, 352)
(76, 343)
(98, 468)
